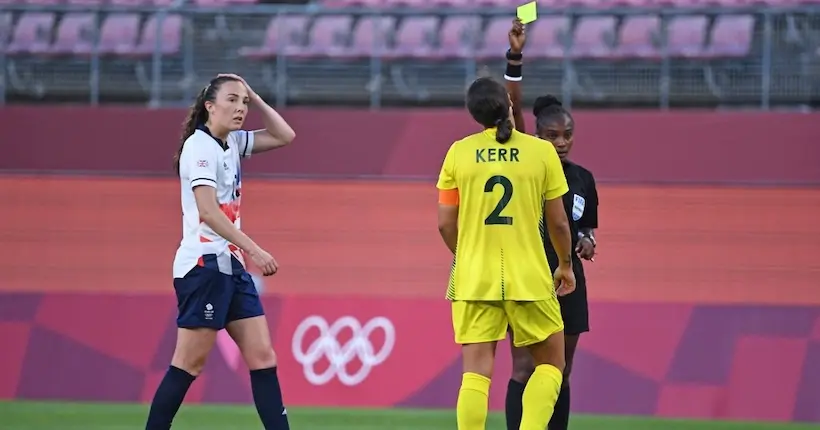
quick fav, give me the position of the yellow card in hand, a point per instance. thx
(528, 13)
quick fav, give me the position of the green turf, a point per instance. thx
(87, 416)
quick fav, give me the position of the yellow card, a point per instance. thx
(528, 13)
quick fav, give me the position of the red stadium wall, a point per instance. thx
(704, 147)
(694, 291)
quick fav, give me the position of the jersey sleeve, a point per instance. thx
(243, 141)
(590, 217)
(446, 178)
(555, 183)
(200, 161)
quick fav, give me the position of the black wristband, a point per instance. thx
(514, 56)
(513, 72)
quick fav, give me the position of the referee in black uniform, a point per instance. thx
(555, 124)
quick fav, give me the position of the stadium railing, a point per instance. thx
(728, 54)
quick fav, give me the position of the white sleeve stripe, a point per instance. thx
(203, 181)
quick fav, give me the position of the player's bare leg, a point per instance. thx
(543, 386)
(252, 336)
(192, 349)
(191, 352)
(478, 360)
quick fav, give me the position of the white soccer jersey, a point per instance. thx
(205, 162)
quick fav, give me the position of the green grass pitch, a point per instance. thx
(99, 416)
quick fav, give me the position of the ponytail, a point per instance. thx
(504, 129)
(197, 115)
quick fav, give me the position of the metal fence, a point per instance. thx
(781, 66)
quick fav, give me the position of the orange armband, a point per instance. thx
(448, 197)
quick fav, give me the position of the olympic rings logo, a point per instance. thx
(339, 356)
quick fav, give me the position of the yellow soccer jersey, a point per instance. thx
(501, 190)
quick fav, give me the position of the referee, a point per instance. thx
(555, 124)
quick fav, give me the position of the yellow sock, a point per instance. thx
(471, 409)
(540, 396)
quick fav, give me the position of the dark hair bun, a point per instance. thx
(544, 102)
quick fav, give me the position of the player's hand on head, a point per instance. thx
(264, 261)
(564, 279)
(585, 249)
(517, 36)
(251, 93)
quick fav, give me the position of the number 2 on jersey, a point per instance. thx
(495, 218)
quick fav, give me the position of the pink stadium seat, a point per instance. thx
(370, 37)
(686, 36)
(32, 34)
(354, 3)
(550, 32)
(74, 34)
(212, 3)
(735, 3)
(283, 33)
(119, 33)
(418, 4)
(415, 37)
(591, 4)
(680, 3)
(494, 39)
(328, 37)
(638, 35)
(86, 2)
(496, 4)
(129, 2)
(592, 36)
(553, 4)
(170, 35)
(458, 37)
(731, 36)
(637, 3)
(42, 2)
(450, 3)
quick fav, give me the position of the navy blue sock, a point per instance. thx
(267, 395)
(512, 407)
(168, 398)
(560, 416)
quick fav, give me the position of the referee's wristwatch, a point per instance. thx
(588, 236)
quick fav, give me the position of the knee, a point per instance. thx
(523, 366)
(261, 357)
(191, 362)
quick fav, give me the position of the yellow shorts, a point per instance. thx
(485, 321)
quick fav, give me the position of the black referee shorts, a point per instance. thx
(574, 306)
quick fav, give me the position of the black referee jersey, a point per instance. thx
(581, 204)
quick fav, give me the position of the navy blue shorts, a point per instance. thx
(211, 299)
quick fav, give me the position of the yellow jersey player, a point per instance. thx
(495, 187)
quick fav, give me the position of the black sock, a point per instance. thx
(168, 398)
(268, 399)
(512, 407)
(560, 417)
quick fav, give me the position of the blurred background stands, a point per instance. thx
(758, 53)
